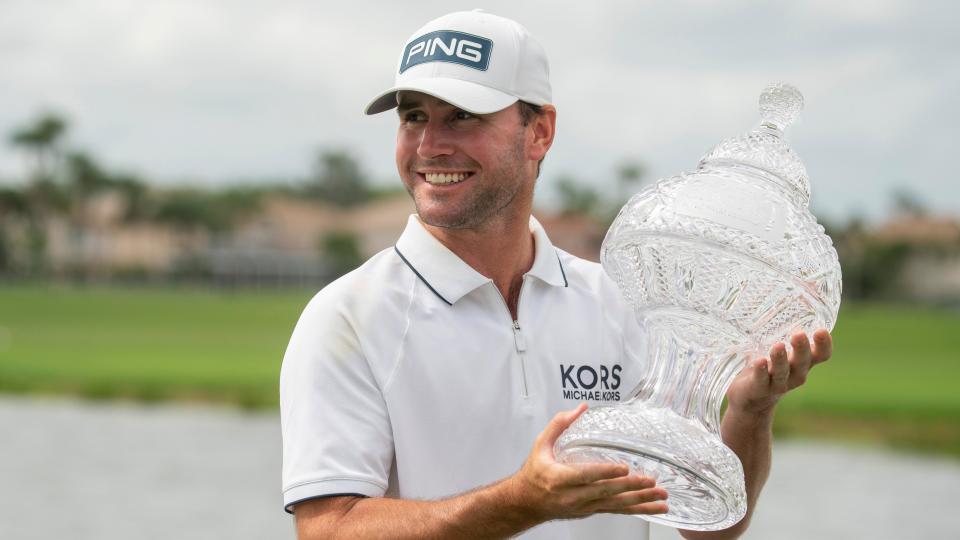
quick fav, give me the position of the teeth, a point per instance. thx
(442, 178)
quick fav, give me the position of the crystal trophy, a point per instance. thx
(719, 265)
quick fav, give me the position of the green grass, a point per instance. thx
(889, 361)
(894, 377)
(146, 344)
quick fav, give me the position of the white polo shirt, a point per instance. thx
(409, 378)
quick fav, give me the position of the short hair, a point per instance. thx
(527, 113)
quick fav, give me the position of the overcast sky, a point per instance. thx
(210, 92)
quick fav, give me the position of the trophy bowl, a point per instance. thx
(719, 265)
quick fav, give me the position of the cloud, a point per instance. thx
(212, 91)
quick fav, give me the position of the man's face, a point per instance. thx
(461, 169)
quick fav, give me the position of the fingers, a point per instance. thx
(759, 377)
(642, 509)
(822, 346)
(588, 473)
(627, 495)
(765, 380)
(779, 369)
(604, 489)
(800, 359)
(566, 490)
(556, 426)
(806, 355)
(627, 502)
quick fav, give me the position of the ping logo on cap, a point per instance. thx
(448, 46)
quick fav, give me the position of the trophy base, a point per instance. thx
(703, 478)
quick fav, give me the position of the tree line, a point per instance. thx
(62, 181)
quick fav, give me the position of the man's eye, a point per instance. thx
(463, 115)
(413, 116)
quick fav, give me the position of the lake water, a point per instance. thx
(94, 471)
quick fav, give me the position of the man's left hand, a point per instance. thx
(764, 381)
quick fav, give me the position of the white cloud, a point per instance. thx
(248, 88)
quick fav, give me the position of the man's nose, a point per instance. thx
(435, 141)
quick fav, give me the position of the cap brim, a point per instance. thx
(466, 95)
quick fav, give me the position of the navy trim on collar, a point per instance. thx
(447, 302)
(423, 279)
(562, 273)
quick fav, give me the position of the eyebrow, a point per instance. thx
(407, 105)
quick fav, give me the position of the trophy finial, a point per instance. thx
(780, 105)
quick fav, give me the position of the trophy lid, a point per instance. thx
(765, 147)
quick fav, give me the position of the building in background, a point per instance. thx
(285, 241)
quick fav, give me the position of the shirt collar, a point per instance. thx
(546, 262)
(450, 278)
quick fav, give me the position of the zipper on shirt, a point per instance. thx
(518, 339)
(521, 347)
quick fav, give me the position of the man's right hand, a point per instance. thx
(553, 490)
(540, 491)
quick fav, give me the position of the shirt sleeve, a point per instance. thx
(336, 431)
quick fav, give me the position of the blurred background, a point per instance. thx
(178, 178)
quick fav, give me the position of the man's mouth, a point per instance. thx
(446, 178)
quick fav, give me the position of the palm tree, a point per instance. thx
(42, 138)
(338, 179)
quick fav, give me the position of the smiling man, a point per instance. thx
(422, 393)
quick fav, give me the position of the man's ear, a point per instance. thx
(544, 127)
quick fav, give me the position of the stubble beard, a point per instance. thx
(493, 193)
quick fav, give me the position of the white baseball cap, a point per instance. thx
(476, 61)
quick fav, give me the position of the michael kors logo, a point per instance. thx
(587, 382)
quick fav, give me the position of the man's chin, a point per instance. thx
(444, 221)
(460, 213)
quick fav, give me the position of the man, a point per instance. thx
(420, 393)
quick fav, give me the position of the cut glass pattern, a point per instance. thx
(719, 264)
